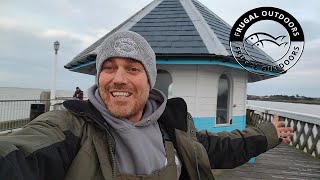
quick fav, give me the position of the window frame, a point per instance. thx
(230, 100)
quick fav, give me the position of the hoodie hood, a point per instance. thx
(153, 110)
(139, 147)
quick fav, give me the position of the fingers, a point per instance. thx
(281, 123)
(286, 134)
(285, 129)
(275, 118)
(286, 140)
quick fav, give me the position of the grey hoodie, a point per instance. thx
(139, 146)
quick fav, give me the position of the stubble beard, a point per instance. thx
(125, 110)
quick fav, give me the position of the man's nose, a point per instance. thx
(120, 76)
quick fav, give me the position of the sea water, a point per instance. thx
(12, 110)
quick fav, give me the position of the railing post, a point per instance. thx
(44, 96)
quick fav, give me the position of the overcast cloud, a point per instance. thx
(29, 28)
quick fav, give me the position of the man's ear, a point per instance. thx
(149, 84)
(97, 80)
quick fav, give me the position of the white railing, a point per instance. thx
(306, 127)
(17, 113)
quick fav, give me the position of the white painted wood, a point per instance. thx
(246, 92)
(191, 107)
(288, 114)
(207, 92)
(239, 107)
(198, 85)
(183, 70)
(239, 84)
(184, 86)
(239, 95)
(197, 105)
(239, 110)
(238, 101)
(207, 113)
(189, 99)
(207, 107)
(238, 92)
(207, 100)
(206, 86)
(238, 74)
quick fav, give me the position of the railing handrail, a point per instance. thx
(289, 114)
(16, 100)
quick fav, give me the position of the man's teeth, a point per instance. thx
(120, 94)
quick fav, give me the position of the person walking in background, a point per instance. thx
(78, 94)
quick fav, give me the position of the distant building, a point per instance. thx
(194, 61)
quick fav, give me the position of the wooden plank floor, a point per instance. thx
(282, 162)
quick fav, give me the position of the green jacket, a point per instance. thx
(76, 144)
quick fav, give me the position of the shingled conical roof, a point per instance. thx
(174, 29)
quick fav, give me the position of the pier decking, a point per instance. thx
(282, 162)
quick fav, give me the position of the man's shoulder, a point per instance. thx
(70, 112)
(177, 104)
(175, 114)
(55, 114)
(63, 119)
(77, 106)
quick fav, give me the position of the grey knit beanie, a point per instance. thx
(127, 44)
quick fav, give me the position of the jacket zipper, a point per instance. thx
(112, 154)
(111, 148)
(197, 164)
(194, 146)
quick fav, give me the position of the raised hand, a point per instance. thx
(285, 133)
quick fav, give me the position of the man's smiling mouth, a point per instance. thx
(120, 94)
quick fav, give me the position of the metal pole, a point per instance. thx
(53, 81)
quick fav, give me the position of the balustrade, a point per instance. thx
(306, 127)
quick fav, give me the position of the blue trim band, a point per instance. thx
(209, 123)
(188, 61)
(82, 65)
(210, 62)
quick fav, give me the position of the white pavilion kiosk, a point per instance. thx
(194, 61)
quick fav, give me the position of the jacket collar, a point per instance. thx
(85, 108)
(174, 116)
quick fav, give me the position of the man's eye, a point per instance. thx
(134, 69)
(107, 68)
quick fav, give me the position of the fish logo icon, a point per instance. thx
(267, 43)
(260, 38)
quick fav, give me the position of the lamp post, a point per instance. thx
(56, 46)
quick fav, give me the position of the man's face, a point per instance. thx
(124, 88)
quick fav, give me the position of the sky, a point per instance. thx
(29, 28)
